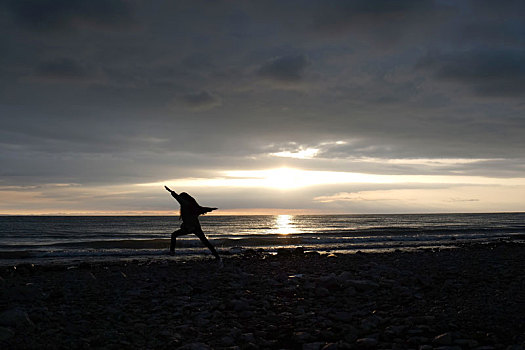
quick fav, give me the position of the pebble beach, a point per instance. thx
(471, 297)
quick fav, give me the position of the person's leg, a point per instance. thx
(198, 232)
(174, 235)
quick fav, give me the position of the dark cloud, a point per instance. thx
(198, 62)
(498, 32)
(338, 12)
(496, 72)
(58, 14)
(288, 69)
(202, 100)
(63, 68)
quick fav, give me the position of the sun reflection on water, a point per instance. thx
(284, 225)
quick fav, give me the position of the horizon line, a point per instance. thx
(251, 213)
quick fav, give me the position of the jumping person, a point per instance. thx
(189, 213)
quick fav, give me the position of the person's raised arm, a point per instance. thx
(173, 193)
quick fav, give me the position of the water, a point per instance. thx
(51, 239)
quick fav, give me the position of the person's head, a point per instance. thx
(189, 205)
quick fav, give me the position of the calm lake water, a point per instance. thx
(47, 239)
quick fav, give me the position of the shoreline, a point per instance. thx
(10, 258)
(465, 298)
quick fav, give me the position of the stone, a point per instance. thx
(342, 316)
(15, 318)
(250, 346)
(366, 343)
(322, 292)
(284, 252)
(370, 323)
(471, 343)
(6, 333)
(417, 340)
(313, 346)
(194, 346)
(301, 337)
(246, 314)
(363, 285)
(330, 346)
(345, 275)
(350, 291)
(329, 282)
(235, 250)
(298, 251)
(239, 305)
(443, 339)
(248, 337)
(227, 341)
(515, 347)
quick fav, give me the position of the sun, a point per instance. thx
(284, 178)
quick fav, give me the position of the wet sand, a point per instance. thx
(472, 297)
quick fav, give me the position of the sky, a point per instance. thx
(262, 107)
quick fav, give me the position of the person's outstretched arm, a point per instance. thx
(173, 193)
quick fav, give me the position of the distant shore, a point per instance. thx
(465, 298)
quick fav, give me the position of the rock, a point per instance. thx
(227, 341)
(370, 323)
(246, 314)
(395, 330)
(330, 346)
(423, 319)
(298, 251)
(345, 276)
(235, 250)
(350, 291)
(417, 340)
(329, 282)
(515, 347)
(322, 292)
(248, 338)
(6, 333)
(313, 346)
(239, 305)
(366, 343)
(443, 339)
(301, 337)
(342, 316)
(284, 252)
(250, 346)
(425, 347)
(471, 343)
(363, 285)
(194, 346)
(15, 318)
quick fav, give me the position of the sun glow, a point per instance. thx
(290, 178)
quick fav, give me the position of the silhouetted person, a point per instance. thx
(189, 213)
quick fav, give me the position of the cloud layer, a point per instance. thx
(116, 93)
